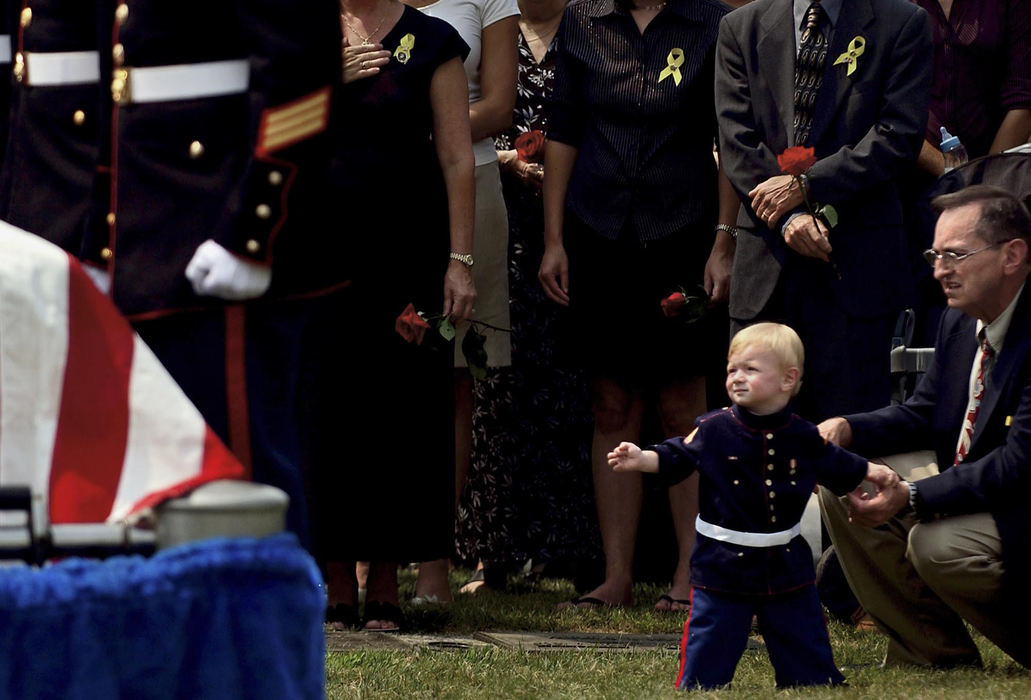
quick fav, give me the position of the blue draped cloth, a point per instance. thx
(221, 618)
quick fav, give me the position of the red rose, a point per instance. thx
(672, 304)
(796, 160)
(411, 326)
(529, 145)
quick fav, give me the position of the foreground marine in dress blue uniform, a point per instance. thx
(758, 464)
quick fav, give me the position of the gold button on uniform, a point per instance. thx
(118, 86)
(736, 482)
(263, 211)
(110, 218)
(106, 253)
(275, 178)
(772, 494)
(122, 13)
(253, 246)
(19, 67)
(196, 149)
(769, 436)
(26, 17)
(118, 54)
(79, 118)
(770, 452)
(769, 467)
(769, 482)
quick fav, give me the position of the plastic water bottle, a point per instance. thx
(953, 151)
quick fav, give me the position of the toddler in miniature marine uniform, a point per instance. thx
(758, 464)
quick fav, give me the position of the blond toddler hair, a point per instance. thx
(776, 338)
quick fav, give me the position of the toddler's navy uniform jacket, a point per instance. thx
(756, 476)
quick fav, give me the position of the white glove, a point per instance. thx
(215, 272)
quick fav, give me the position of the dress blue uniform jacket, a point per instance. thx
(134, 188)
(55, 129)
(756, 475)
(996, 475)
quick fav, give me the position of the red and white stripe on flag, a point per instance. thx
(88, 416)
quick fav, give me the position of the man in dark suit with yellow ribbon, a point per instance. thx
(848, 79)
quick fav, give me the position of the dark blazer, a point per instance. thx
(996, 475)
(867, 127)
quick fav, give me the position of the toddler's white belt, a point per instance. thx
(50, 68)
(746, 539)
(180, 82)
(5, 48)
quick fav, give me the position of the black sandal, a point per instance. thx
(385, 612)
(342, 614)
(492, 577)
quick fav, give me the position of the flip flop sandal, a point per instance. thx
(675, 601)
(586, 602)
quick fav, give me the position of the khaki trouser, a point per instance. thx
(919, 581)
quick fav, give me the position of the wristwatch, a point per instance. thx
(728, 229)
(464, 258)
(914, 498)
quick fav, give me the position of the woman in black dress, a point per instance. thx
(403, 171)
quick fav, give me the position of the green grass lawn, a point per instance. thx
(496, 672)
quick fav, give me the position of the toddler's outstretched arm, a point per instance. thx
(628, 457)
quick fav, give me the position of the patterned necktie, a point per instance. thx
(812, 55)
(984, 362)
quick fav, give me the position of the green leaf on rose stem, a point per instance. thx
(446, 329)
(693, 308)
(475, 351)
(829, 214)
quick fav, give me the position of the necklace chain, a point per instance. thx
(536, 36)
(656, 6)
(366, 39)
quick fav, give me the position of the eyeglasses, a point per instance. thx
(948, 259)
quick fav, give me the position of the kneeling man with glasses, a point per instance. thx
(954, 546)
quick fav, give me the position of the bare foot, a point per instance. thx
(471, 587)
(476, 583)
(381, 626)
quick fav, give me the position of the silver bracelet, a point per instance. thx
(728, 229)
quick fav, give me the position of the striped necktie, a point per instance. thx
(812, 56)
(984, 363)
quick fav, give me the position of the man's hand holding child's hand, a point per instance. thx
(876, 509)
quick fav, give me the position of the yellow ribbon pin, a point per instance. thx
(404, 50)
(856, 47)
(673, 61)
